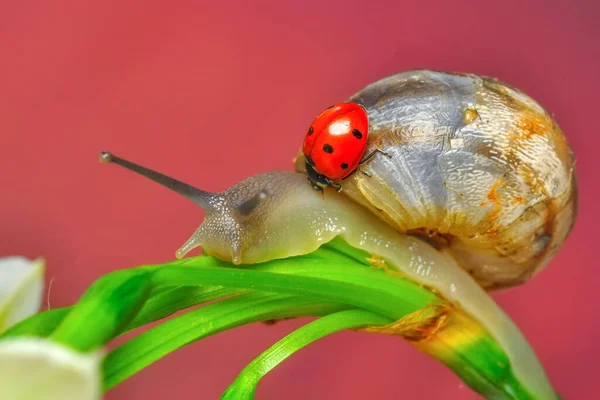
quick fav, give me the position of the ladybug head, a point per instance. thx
(317, 181)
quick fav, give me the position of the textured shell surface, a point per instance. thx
(477, 168)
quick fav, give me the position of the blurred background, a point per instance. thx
(214, 91)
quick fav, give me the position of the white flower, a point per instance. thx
(35, 368)
(21, 288)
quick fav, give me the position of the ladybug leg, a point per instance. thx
(372, 154)
(315, 186)
(369, 157)
(364, 161)
(335, 185)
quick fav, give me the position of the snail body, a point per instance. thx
(477, 191)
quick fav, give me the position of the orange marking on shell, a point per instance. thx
(494, 197)
(469, 115)
(518, 200)
(528, 126)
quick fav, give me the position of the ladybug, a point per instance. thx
(335, 144)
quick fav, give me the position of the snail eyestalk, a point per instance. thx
(200, 197)
(212, 203)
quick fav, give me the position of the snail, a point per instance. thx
(474, 190)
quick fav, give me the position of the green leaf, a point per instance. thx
(164, 303)
(40, 325)
(106, 307)
(163, 339)
(304, 278)
(244, 387)
(335, 277)
(366, 288)
(160, 304)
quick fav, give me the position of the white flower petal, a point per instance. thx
(21, 288)
(35, 368)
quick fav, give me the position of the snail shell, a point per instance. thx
(477, 167)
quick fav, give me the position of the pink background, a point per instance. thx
(212, 92)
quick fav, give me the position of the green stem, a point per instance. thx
(244, 387)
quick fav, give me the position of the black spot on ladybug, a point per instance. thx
(311, 130)
(331, 106)
(357, 133)
(344, 166)
(327, 148)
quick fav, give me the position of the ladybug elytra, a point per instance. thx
(335, 144)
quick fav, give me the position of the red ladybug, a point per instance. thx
(335, 144)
